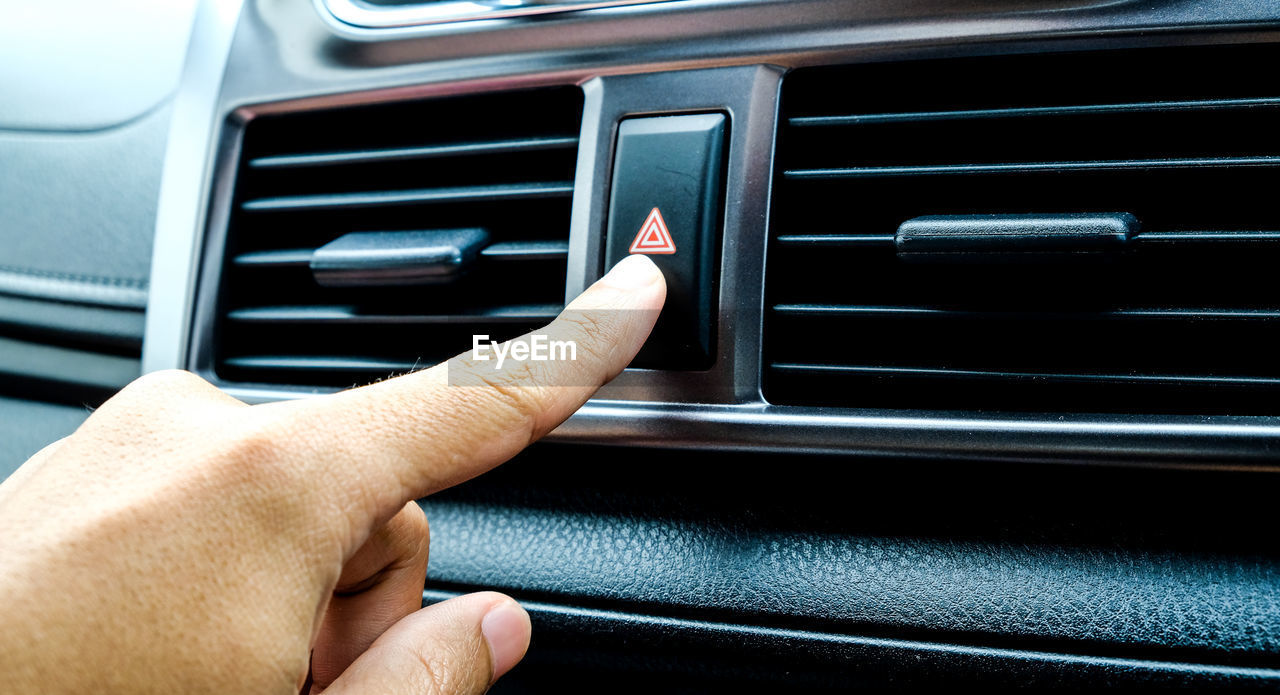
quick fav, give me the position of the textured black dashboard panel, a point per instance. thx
(1162, 565)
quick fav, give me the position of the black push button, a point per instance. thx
(665, 202)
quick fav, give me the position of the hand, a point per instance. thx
(184, 542)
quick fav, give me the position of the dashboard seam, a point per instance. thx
(104, 280)
(53, 286)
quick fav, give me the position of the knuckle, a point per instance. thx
(423, 549)
(513, 404)
(519, 396)
(166, 380)
(252, 452)
(452, 667)
(407, 534)
(434, 675)
(421, 527)
(166, 408)
(591, 325)
(172, 390)
(516, 388)
(519, 374)
(594, 333)
(258, 470)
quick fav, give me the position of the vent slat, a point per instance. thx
(1030, 167)
(1180, 317)
(1223, 237)
(527, 251)
(1027, 112)
(949, 375)
(308, 178)
(1170, 314)
(501, 251)
(836, 240)
(850, 241)
(349, 315)
(320, 364)
(495, 193)
(1178, 237)
(396, 154)
(275, 258)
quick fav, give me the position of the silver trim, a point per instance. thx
(184, 191)
(748, 94)
(369, 16)
(1237, 443)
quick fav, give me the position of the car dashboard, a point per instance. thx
(887, 442)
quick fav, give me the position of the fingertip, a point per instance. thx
(634, 272)
(506, 629)
(441, 648)
(634, 284)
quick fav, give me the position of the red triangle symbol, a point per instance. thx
(654, 236)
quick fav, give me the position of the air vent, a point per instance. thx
(368, 240)
(1162, 163)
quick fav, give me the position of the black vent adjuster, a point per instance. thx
(374, 239)
(987, 238)
(380, 259)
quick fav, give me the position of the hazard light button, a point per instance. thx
(665, 202)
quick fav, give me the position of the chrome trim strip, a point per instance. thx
(1219, 442)
(369, 16)
(1239, 441)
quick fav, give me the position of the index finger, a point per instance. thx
(381, 445)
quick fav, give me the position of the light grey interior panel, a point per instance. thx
(78, 212)
(87, 92)
(89, 65)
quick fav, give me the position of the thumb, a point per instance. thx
(457, 647)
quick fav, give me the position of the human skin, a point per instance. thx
(181, 541)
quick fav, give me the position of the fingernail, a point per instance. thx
(632, 273)
(506, 628)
